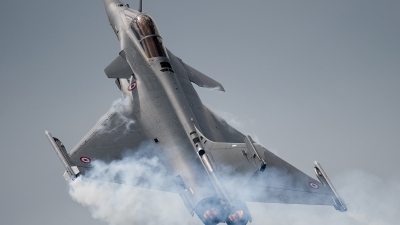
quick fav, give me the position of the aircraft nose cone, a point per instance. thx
(108, 2)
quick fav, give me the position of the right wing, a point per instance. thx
(258, 175)
(284, 183)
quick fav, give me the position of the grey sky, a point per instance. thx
(312, 80)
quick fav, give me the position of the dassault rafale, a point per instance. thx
(214, 168)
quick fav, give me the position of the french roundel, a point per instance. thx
(85, 160)
(313, 185)
(132, 86)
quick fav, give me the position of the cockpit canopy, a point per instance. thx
(145, 30)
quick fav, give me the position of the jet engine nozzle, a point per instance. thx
(237, 218)
(238, 214)
(211, 211)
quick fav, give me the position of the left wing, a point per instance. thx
(117, 135)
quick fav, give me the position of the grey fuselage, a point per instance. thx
(213, 167)
(166, 104)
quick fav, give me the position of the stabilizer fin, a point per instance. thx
(201, 79)
(119, 68)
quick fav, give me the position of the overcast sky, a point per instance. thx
(310, 80)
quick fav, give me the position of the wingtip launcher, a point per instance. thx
(71, 171)
(323, 178)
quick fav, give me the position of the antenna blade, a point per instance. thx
(140, 6)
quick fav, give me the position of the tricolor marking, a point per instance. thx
(85, 160)
(313, 185)
(132, 86)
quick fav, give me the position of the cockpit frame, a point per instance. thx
(146, 32)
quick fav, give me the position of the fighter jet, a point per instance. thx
(214, 168)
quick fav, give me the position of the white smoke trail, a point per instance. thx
(242, 123)
(125, 204)
(231, 119)
(371, 201)
(122, 109)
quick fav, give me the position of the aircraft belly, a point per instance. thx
(162, 116)
(190, 168)
(158, 95)
(169, 128)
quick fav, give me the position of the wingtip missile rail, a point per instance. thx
(71, 171)
(321, 175)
